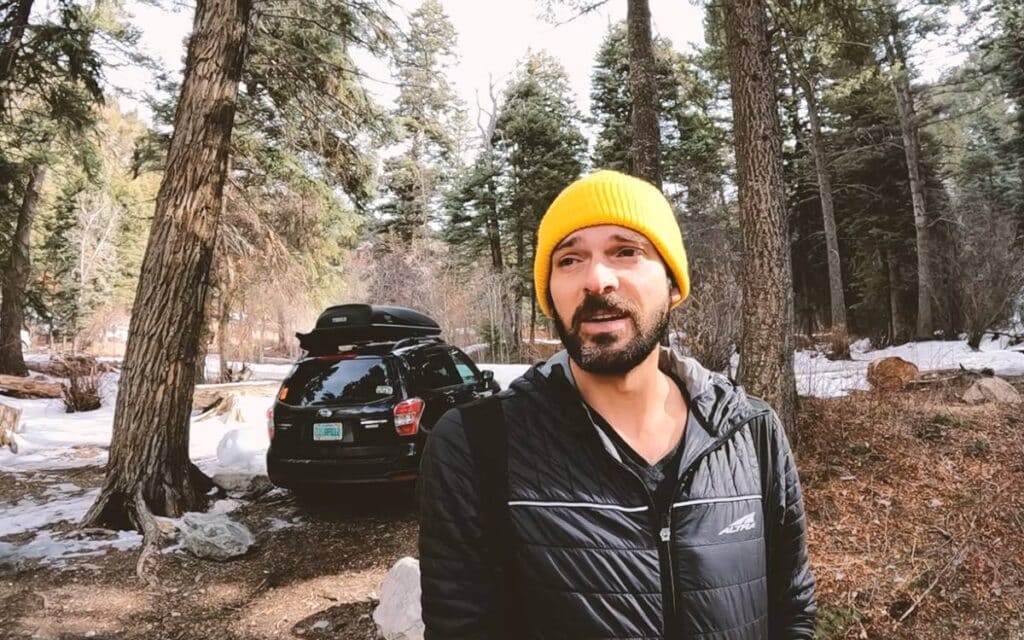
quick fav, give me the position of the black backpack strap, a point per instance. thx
(487, 436)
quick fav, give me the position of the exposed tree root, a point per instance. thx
(120, 508)
(148, 563)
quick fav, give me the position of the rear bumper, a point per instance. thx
(295, 472)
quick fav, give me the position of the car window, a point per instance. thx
(465, 367)
(437, 371)
(325, 381)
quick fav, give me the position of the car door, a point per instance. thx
(473, 382)
(437, 382)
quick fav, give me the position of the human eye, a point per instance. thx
(566, 261)
(629, 252)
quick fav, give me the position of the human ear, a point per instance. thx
(673, 291)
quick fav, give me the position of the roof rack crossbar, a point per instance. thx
(406, 342)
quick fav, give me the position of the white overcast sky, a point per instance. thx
(492, 36)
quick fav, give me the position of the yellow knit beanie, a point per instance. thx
(610, 197)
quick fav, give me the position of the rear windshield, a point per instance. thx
(329, 381)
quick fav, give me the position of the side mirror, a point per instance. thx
(486, 375)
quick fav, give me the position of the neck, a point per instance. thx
(637, 391)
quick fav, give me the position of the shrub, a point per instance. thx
(82, 391)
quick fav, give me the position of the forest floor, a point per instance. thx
(916, 520)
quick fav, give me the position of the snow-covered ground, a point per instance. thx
(816, 375)
(50, 440)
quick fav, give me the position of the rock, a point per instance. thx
(239, 482)
(244, 450)
(891, 374)
(992, 390)
(214, 536)
(398, 616)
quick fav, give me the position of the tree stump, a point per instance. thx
(9, 419)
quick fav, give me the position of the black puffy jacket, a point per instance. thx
(589, 557)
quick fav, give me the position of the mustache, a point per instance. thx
(597, 305)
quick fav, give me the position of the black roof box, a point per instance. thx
(345, 324)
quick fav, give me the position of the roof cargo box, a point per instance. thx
(346, 324)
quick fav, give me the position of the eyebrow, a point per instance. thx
(638, 239)
(574, 240)
(571, 241)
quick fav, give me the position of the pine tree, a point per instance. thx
(149, 470)
(302, 160)
(766, 366)
(540, 147)
(48, 85)
(429, 119)
(692, 145)
(807, 37)
(645, 136)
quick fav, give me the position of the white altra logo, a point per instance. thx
(746, 523)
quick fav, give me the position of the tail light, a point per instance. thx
(270, 422)
(407, 416)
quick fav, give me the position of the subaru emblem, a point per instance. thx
(324, 413)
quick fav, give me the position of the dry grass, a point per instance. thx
(916, 515)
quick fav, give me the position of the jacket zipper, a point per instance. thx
(663, 522)
(665, 535)
(662, 531)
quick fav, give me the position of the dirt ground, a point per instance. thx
(914, 500)
(315, 579)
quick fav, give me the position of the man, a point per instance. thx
(617, 490)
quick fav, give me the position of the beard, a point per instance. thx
(597, 353)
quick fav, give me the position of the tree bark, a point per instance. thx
(897, 59)
(897, 322)
(837, 299)
(767, 345)
(149, 471)
(645, 148)
(15, 277)
(223, 324)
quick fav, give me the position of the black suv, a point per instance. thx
(358, 407)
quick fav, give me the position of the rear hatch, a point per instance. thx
(338, 406)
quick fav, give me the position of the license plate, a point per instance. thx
(328, 431)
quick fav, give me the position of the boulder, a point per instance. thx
(891, 374)
(398, 616)
(992, 390)
(214, 536)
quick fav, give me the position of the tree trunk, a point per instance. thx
(15, 277)
(149, 471)
(837, 299)
(645, 149)
(767, 345)
(912, 150)
(223, 325)
(493, 231)
(895, 316)
(203, 344)
(15, 20)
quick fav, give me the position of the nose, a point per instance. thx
(601, 279)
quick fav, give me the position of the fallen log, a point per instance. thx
(19, 387)
(225, 406)
(207, 394)
(63, 366)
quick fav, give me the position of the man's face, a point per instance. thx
(610, 297)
